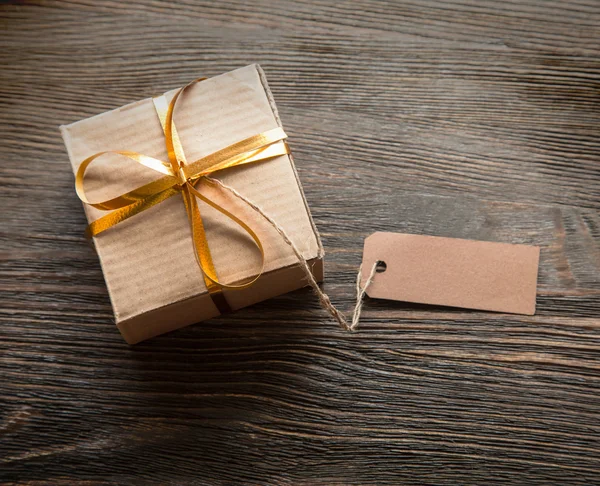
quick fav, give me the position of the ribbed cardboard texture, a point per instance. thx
(152, 277)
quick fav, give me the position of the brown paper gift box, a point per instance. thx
(153, 280)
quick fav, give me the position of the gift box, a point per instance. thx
(151, 261)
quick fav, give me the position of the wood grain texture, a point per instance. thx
(465, 119)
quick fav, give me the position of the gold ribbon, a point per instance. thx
(181, 177)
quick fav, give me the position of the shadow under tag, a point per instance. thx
(452, 272)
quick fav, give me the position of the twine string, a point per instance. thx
(324, 299)
(360, 294)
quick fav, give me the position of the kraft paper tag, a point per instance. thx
(452, 272)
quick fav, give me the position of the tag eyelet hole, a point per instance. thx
(381, 266)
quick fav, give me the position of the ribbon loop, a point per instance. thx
(179, 177)
(240, 223)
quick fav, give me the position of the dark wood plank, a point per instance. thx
(465, 119)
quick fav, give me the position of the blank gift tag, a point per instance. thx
(452, 272)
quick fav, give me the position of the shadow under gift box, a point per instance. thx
(154, 282)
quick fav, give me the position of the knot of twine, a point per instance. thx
(324, 299)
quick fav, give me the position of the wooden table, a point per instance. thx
(464, 119)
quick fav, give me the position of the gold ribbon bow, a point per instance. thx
(179, 177)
